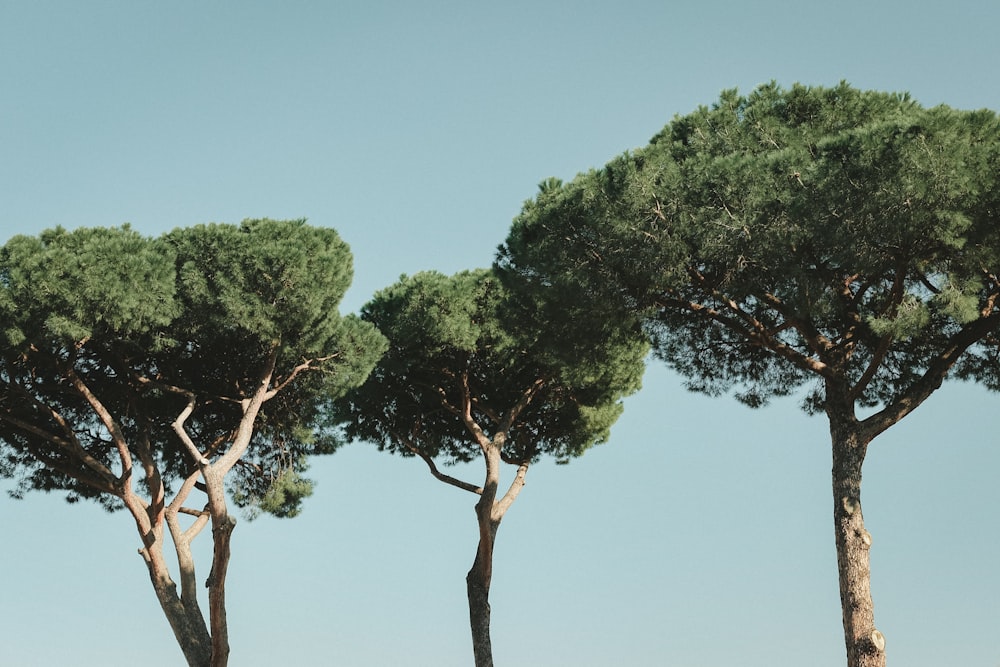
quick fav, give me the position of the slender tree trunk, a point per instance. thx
(479, 577)
(478, 587)
(222, 531)
(222, 534)
(865, 644)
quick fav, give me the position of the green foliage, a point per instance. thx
(773, 234)
(279, 495)
(67, 286)
(450, 332)
(277, 280)
(145, 325)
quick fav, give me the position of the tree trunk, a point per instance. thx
(479, 577)
(865, 644)
(188, 624)
(222, 530)
(478, 587)
(189, 628)
(222, 534)
(182, 611)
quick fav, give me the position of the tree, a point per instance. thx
(829, 237)
(468, 375)
(145, 373)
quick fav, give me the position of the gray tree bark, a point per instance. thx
(865, 643)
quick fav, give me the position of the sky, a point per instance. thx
(700, 535)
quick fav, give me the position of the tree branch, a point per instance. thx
(178, 426)
(101, 483)
(106, 480)
(177, 507)
(470, 422)
(756, 334)
(447, 479)
(306, 365)
(816, 341)
(522, 403)
(251, 408)
(110, 423)
(932, 378)
(501, 506)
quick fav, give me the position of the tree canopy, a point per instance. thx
(138, 371)
(808, 226)
(452, 335)
(474, 371)
(841, 239)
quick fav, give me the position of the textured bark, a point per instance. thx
(478, 587)
(480, 576)
(222, 530)
(865, 644)
(188, 624)
(182, 612)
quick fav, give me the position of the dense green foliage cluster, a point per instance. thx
(838, 225)
(141, 326)
(452, 334)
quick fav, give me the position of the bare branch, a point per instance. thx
(306, 365)
(447, 479)
(932, 378)
(251, 408)
(752, 330)
(813, 338)
(191, 512)
(154, 481)
(493, 415)
(885, 344)
(501, 506)
(470, 422)
(178, 426)
(109, 422)
(521, 404)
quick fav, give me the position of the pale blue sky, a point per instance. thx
(699, 536)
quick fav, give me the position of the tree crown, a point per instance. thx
(459, 346)
(787, 234)
(108, 319)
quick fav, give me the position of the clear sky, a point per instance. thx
(699, 536)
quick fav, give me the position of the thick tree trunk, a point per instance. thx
(203, 644)
(182, 611)
(865, 644)
(222, 534)
(188, 625)
(488, 517)
(186, 622)
(222, 531)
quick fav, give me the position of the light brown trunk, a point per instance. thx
(187, 623)
(478, 588)
(182, 611)
(222, 530)
(479, 577)
(865, 644)
(203, 645)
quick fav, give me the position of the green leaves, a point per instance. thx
(776, 234)
(272, 279)
(142, 326)
(71, 285)
(466, 342)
